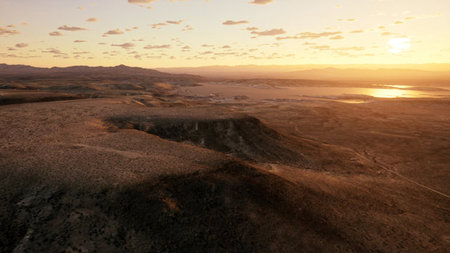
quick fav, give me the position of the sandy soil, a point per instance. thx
(141, 168)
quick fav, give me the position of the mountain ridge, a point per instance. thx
(123, 70)
(351, 73)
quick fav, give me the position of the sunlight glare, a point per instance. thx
(399, 45)
(390, 93)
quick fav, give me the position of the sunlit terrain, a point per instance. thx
(272, 126)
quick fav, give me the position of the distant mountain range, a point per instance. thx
(121, 70)
(372, 73)
(244, 72)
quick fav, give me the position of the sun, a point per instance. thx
(399, 45)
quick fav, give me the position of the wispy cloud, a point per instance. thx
(21, 45)
(127, 45)
(174, 22)
(410, 18)
(338, 49)
(168, 22)
(187, 28)
(166, 46)
(337, 37)
(310, 35)
(158, 25)
(113, 32)
(53, 51)
(56, 34)
(7, 31)
(141, 1)
(272, 32)
(71, 28)
(261, 1)
(131, 29)
(231, 22)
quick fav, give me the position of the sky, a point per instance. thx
(187, 33)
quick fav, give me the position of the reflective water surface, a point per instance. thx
(345, 94)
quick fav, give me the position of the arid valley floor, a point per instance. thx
(120, 160)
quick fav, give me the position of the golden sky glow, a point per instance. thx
(169, 33)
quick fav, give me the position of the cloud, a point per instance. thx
(231, 22)
(321, 47)
(174, 22)
(337, 37)
(252, 28)
(157, 46)
(56, 34)
(91, 20)
(351, 48)
(71, 28)
(170, 22)
(157, 25)
(53, 51)
(21, 45)
(357, 31)
(124, 45)
(18, 56)
(404, 20)
(261, 1)
(131, 29)
(186, 48)
(227, 53)
(141, 1)
(113, 32)
(389, 34)
(339, 49)
(7, 31)
(310, 35)
(79, 41)
(272, 32)
(187, 28)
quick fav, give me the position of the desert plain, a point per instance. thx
(131, 160)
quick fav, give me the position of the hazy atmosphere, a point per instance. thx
(163, 33)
